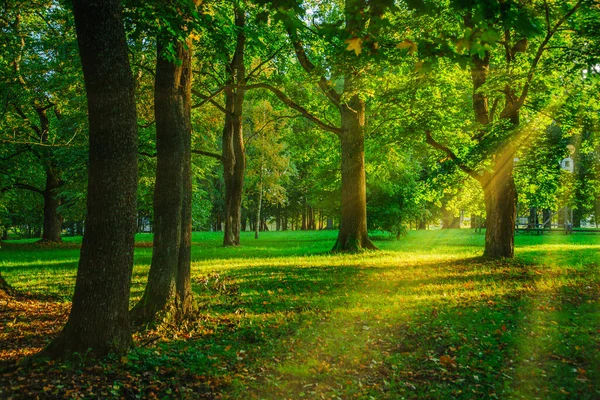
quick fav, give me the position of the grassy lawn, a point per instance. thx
(279, 317)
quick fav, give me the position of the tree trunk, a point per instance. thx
(500, 204)
(234, 153)
(532, 220)
(259, 206)
(303, 214)
(547, 218)
(99, 320)
(329, 225)
(172, 125)
(184, 286)
(5, 289)
(353, 235)
(577, 216)
(53, 221)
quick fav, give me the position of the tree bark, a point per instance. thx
(500, 203)
(53, 221)
(183, 285)
(172, 130)
(353, 235)
(234, 153)
(99, 320)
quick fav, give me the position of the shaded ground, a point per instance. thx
(423, 318)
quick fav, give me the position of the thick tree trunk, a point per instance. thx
(99, 320)
(172, 126)
(500, 203)
(353, 235)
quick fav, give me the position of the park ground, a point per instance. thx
(280, 317)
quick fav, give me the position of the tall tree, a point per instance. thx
(99, 318)
(504, 32)
(172, 194)
(351, 108)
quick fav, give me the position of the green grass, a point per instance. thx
(423, 317)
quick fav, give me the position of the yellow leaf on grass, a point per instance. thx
(354, 44)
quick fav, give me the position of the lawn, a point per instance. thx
(280, 317)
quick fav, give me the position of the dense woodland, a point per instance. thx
(231, 116)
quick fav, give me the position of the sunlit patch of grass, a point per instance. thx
(423, 317)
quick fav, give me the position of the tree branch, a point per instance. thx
(290, 103)
(433, 143)
(309, 67)
(209, 99)
(270, 122)
(145, 153)
(23, 186)
(25, 118)
(208, 154)
(146, 125)
(250, 76)
(540, 51)
(18, 152)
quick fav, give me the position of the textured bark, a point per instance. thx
(53, 221)
(353, 235)
(500, 203)
(234, 153)
(99, 320)
(183, 284)
(172, 126)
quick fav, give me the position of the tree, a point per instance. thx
(99, 318)
(351, 109)
(172, 194)
(498, 38)
(40, 104)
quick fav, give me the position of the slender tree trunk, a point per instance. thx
(53, 221)
(303, 214)
(172, 130)
(329, 225)
(353, 235)
(500, 203)
(234, 153)
(99, 320)
(577, 216)
(259, 206)
(183, 285)
(532, 221)
(547, 218)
